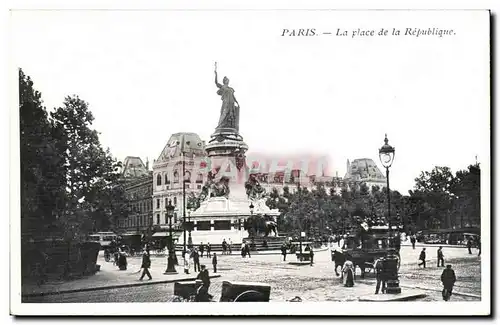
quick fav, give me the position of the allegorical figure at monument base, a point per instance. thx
(230, 110)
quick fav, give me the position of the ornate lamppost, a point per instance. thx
(386, 155)
(190, 226)
(171, 254)
(251, 207)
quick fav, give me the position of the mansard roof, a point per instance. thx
(187, 141)
(134, 167)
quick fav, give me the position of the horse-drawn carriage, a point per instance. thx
(190, 291)
(301, 250)
(366, 246)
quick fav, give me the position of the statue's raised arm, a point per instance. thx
(216, 82)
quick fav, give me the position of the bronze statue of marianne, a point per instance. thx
(230, 110)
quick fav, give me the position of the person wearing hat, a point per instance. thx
(196, 260)
(422, 258)
(448, 279)
(204, 276)
(202, 294)
(146, 264)
(440, 256)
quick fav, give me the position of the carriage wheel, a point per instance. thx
(250, 295)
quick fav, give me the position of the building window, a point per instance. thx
(157, 218)
(199, 179)
(175, 217)
(203, 225)
(222, 225)
(198, 186)
(176, 177)
(187, 177)
(158, 180)
(175, 200)
(166, 202)
(157, 203)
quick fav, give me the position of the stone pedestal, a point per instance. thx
(226, 151)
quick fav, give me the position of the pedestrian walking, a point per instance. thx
(283, 251)
(247, 250)
(469, 245)
(214, 262)
(196, 261)
(440, 256)
(224, 246)
(230, 247)
(311, 255)
(146, 264)
(413, 240)
(202, 248)
(243, 250)
(209, 249)
(448, 279)
(381, 274)
(422, 258)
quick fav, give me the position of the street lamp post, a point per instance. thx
(171, 254)
(251, 207)
(386, 155)
(190, 239)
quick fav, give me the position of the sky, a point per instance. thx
(149, 74)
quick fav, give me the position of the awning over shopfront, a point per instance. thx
(131, 233)
(160, 234)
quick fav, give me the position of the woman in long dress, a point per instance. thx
(230, 110)
(348, 274)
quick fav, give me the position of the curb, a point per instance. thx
(116, 286)
(439, 290)
(435, 245)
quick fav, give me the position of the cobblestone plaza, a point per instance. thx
(310, 283)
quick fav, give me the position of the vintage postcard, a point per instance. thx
(307, 162)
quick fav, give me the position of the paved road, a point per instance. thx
(311, 283)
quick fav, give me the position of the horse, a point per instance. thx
(341, 257)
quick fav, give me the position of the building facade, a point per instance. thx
(138, 184)
(178, 154)
(364, 170)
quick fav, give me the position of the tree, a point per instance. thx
(434, 188)
(92, 177)
(41, 167)
(467, 197)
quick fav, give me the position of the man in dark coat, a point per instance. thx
(209, 250)
(413, 240)
(283, 251)
(202, 294)
(381, 275)
(202, 249)
(440, 256)
(311, 254)
(422, 258)
(196, 260)
(146, 264)
(448, 279)
(247, 250)
(469, 245)
(214, 262)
